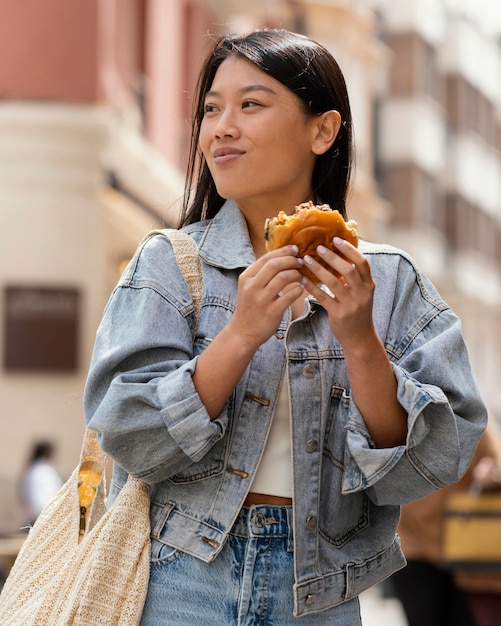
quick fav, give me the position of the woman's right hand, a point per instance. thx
(265, 290)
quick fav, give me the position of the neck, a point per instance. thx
(257, 215)
(256, 235)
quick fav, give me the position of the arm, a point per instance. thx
(157, 408)
(139, 395)
(372, 381)
(435, 386)
(258, 314)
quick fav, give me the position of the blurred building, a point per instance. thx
(439, 158)
(94, 98)
(94, 126)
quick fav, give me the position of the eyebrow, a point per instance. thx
(245, 90)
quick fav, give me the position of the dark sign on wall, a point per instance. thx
(41, 328)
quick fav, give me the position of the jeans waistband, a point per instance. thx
(264, 521)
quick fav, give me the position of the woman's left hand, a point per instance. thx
(352, 286)
(373, 385)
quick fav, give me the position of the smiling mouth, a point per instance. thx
(225, 156)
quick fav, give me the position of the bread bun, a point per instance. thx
(307, 228)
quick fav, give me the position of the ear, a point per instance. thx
(326, 128)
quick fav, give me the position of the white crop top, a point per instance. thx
(274, 474)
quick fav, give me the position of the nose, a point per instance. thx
(226, 125)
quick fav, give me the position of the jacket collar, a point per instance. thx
(226, 241)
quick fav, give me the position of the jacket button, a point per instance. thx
(309, 370)
(311, 521)
(311, 445)
(310, 598)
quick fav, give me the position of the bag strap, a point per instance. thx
(92, 458)
(186, 253)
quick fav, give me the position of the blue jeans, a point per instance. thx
(249, 583)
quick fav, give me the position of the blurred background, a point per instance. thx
(95, 106)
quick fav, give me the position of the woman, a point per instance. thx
(281, 444)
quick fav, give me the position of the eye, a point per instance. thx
(209, 108)
(248, 104)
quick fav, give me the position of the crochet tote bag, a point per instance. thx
(83, 565)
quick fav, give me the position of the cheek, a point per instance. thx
(292, 148)
(292, 134)
(204, 138)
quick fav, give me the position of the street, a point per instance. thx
(378, 610)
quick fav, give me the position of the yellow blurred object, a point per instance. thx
(472, 531)
(89, 479)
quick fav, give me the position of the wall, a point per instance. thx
(50, 236)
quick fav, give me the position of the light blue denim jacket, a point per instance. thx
(141, 400)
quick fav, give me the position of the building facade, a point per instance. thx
(439, 159)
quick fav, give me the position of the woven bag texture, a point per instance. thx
(101, 579)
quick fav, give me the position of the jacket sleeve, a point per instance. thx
(139, 395)
(436, 387)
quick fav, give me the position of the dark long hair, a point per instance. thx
(307, 69)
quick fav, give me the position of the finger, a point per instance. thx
(282, 282)
(346, 272)
(279, 272)
(325, 275)
(319, 294)
(287, 251)
(290, 294)
(353, 256)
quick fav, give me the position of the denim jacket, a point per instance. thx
(141, 400)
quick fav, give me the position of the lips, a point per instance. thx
(225, 155)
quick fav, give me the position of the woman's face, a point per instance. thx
(256, 139)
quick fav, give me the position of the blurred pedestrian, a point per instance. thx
(483, 590)
(430, 593)
(40, 481)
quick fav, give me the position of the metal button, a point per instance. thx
(260, 520)
(309, 370)
(311, 445)
(311, 521)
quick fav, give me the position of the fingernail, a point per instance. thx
(338, 241)
(308, 259)
(295, 249)
(321, 249)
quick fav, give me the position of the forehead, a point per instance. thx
(236, 71)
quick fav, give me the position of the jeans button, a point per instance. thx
(260, 520)
(311, 522)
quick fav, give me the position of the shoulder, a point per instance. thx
(384, 251)
(389, 261)
(153, 260)
(392, 266)
(157, 252)
(166, 262)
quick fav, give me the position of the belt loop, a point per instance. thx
(160, 520)
(290, 541)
